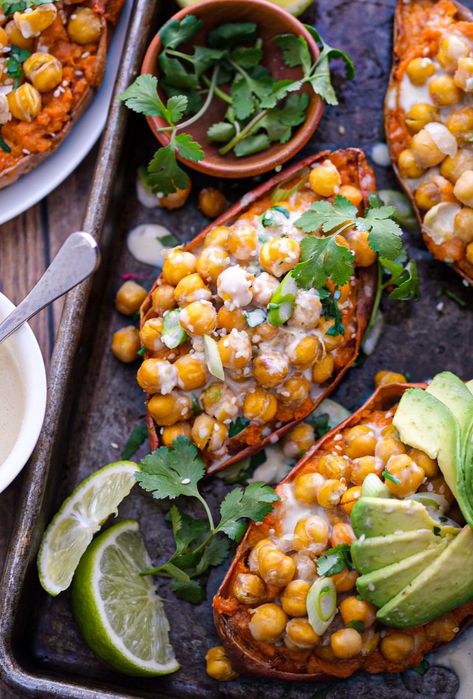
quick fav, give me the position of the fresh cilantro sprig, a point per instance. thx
(334, 561)
(14, 64)
(171, 472)
(9, 7)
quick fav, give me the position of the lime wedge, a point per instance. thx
(81, 515)
(119, 613)
(295, 7)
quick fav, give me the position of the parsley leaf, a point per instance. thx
(174, 471)
(138, 436)
(176, 32)
(334, 561)
(254, 502)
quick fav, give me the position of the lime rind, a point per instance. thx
(80, 516)
(118, 611)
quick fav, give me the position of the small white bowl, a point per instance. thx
(30, 363)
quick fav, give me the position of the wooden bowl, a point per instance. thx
(271, 21)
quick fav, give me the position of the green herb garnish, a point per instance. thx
(138, 436)
(169, 241)
(3, 145)
(14, 64)
(389, 477)
(9, 7)
(238, 425)
(357, 625)
(330, 309)
(421, 668)
(334, 561)
(141, 351)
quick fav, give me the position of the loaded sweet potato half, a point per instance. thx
(53, 56)
(366, 562)
(429, 123)
(241, 339)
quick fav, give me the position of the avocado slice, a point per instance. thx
(382, 551)
(453, 393)
(381, 516)
(446, 584)
(381, 585)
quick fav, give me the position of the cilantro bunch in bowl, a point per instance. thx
(231, 98)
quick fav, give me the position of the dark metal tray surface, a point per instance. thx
(94, 401)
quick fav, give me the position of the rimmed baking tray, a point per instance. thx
(94, 401)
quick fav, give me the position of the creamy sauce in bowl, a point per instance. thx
(12, 401)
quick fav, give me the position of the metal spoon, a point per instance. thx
(78, 257)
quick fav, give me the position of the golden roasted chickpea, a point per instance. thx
(211, 262)
(171, 433)
(469, 253)
(298, 440)
(177, 265)
(346, 643)
(363, 466)
(425, 150)
(323, 370)
(444, 91)
(427, 195)
(125, 344)
(307, 310)
(35, 20)
(353, 609)
(408, 166)
(84, 26)
(294, 391)
(264, 286)
(219, 401)
(384, 377)
(406, 475)
(3, 38)
(157, 376)
(397, 646)
(211, 202)
(464, 74)
(420, 115)
(24, 102)
(310, 531)
(429, 466)
(209, 434)
(360, 441)
(330, 493)
(463, 225)
(270, 369)
(191, 372)
(460, 124)
(293, 598)
(420, 70)
(191, 288)
(260, 406)
(129, 298)
(44, 71)
(16, 38)
(349, 498)
(300, 634)
(169, 409)
(248, 588)
(279, 255)
(217, 237)
(306, 487)
(452, 47)
(334, 466)
(387, 447)
(150, 334)
(231, 319)
(218, 665)
(162, 298)
(198, 318)
(453, 167)
(463, 189)
(176, 199)
(263, 333)
(253, 558)
(324, 179)
(444, 629)
(306, 352)
(235, 349)
(267, 623)
(242, 241)
(345, 580)
(342, 533)
(275, 567)
(351, 193)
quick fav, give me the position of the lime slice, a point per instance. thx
(119, 613)
(80, 516)
(295, 7)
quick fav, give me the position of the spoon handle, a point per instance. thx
(78, 257)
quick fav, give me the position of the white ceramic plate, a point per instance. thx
(31, 188)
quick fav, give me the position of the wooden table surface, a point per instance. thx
(27, 245)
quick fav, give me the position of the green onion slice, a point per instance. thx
(212, 358)
(373, 487)
(255, 317)
(321, 604)
(173, 332)
(281, 306)
(431, 500)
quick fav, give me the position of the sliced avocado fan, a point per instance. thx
(382, 551)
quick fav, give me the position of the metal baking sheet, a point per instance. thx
(94, 401)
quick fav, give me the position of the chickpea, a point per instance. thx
(125, 344)
(267, 623)
(211, 202)
(307, 310)
(234, 287)
(43, 70)
(311, 530)
(3, 38)
(361, 441)
(211, 262)
(460, 124)
(171, 433)
(169, 409)
(260, 406)
(209, 434)
(243, 241)
(463, 225)
(235, 349)
(300, 634)
(397, 646)
(198, 318)
(330, 493)
(346, 643)
(16, 38)
(469, 253)
(351, 193)
(425, 151)
(298, 440)
(463, 189)
(333, 466)
(249, 588)
(420, 70)
(453, 167)
(157, 376)
(217, 237)
(191, 288)
(464, 74)
(420, 115)
(330, 340)
(150, 334)
(129, 298)
(408, 166)
(353, 609)
(293, 598)
(176, 199)
(162, 298)
(342, 533)
(229, 320)
(253, 558)
(364, 465)
(36, 20)
(270, 369)
(428, 465)
(324, 179)
(382, 378)
(264, 286)
(304, 353)
(177, 265)
(84, 26)
(345, 580)
(349, 498)
(263, 333)
(24, 102)
(323, 370)
(444, 91)
(275, 567)
(279, 255)
(387, 447)
(218, 665)
(191, 372)
(444, 629)
(451, 49)
(407, 473)
(306, 487)
(427, 195)
(294, 391)
(219, 401)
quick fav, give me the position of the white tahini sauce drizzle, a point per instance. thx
(458, 656)
(380, 155)
(144, 243)
(273, 469)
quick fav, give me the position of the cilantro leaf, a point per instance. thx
(14, 64)
(205, 58)
(221, 132)
(322, 259)
(214, 554)
(237, 426)
(251, 145)
(295, 51)
(142, 96)
(186, 529)
(243, 104)
(138, 435)
(254, 502)
(164, 174)
(334, 561)
(172, 471)
(248, 57)
(176, 32)
(407, 284)
(232, 33)
(175, 74)
(190, 590)
(176, 107)
(321, 81)
(385, 234)
(169, 241)
(9, 7)
(326, 216)
(188, 148)
(330, 309)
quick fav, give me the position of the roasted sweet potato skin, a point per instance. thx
(353, 166)
(412, 34)
(277, 662)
